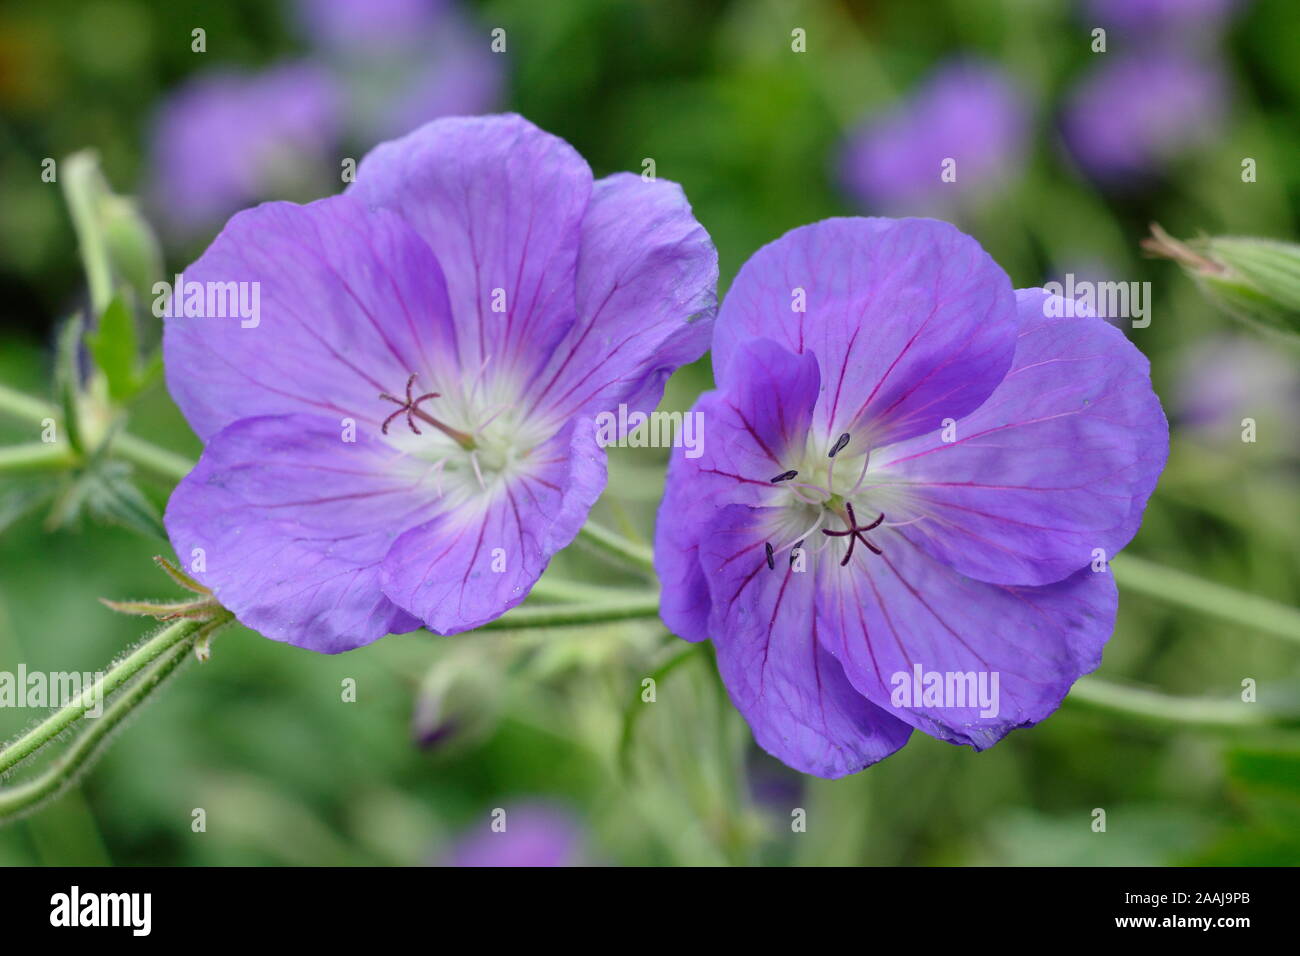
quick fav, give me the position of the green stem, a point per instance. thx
(563, 615)
(159, 461)
(1152, 707)
(21, 405)
(63, 772)
(635, 706)
(614, 543)
(550, 588)
(59, 721)
(36, 456)
(1207, 597)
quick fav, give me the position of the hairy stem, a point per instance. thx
(159, 644)
(63, 772)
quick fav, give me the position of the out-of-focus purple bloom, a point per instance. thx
(534, 834)
(913, 474)
(404, 62)
(1225, 379)
(226, 140)
(1160, 15)
(456, 78)
(372, 26)
(499, 299)
(1136, 111)
(968, 112)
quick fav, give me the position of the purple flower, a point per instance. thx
(968, 113)
(498, 299)
(227, 140)
(910, 472)
(534, 834)
(404, 62)
(1160, 15)
(1223, 380)
(1139, 110)
(375, 25)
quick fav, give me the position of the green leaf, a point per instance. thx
(113, 346)
(17, 502)
(152, 372)
(113, 497)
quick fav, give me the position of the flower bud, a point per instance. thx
(1255, 280)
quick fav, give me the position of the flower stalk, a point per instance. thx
(1152, 707)
(47, 786)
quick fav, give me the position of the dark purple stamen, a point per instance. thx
(410, 406)
(854, 532)
(785, 476)
(771, 562)
(795, 551)
(839, 445)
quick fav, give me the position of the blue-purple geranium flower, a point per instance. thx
(910, 471)
(497, 299)
(536, 833)
(967, 123)
(1157, 16)
(1137, 111)
(402, 63)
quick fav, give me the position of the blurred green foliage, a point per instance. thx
(290, 774)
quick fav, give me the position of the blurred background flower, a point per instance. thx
(1160, 15)
(529, 834)
(1136, 112)
(227, 140)
(1225, 379)
(403, 62)
(968, 114)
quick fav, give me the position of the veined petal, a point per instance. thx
(766, 631)
(292, 520)
(890, 614)
(349, 303)
(500, 203)
(910, 320)
(752, 433)
(646, 295)
(1058, 463)
(473, 563)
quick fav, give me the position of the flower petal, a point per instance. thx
(293, 521)
(752, 433)
(888, 614)
(910, 320)
(646, 295)
(1059, 461)
(500, 203)
(473, 563)
(350, 303)
(766, 627)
